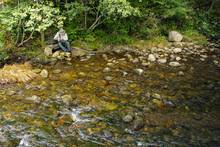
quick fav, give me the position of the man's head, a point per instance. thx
(62, 30)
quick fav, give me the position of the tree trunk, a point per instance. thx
(42, 39)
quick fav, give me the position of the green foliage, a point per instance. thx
(26, 19)
(4, 55)
(195, 37)
(100, 12)
(111, 21)
(117, 9)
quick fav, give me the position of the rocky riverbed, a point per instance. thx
(123, 97)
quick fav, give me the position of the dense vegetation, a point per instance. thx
(105, 21)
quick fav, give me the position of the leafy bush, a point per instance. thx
(27, 19)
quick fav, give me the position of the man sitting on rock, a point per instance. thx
(62, 39)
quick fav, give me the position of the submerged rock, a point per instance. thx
(67, 99)
(34, 98)
(107, 69)
(156, 95)
(139, 71)
(136, 60)
(57, 71)
(138, 124)
(107, 134)
(174, 64)
(178, 58)
(82, 74)
(180, 73)
(11, 92)
(162, 61)
(145, 64)
(108, 78)
(128, 118)
(37, 71)
(105, 57)
(44, 73)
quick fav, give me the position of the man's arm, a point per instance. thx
(65, 37)
(56, 37)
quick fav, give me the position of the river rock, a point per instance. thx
(139, 71)
(162, 61)
(82, 74)
(57, 71)
(105, 57)
(79, 52)
(11, 92)
(138, 123)
(129, 57)
(48, 51)
(67, 54)
(37, 71)
(107, 69)
(174, 64)
(156, 95)
(67, 99)
(110, 64)
(127, 118)
(107, 134)
(151, 58)
(56, 54)
(108, 78)
(177, 50)
(44, 73)
(178, 58)
(145, 64)
(136, 60)
(180, 73)
(175, 36)
(34, 98)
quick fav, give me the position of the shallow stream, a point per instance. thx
(86, 106)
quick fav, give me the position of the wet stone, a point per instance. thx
(177, 50)
(178, 58)
(145, 64)
(107, 69)
(156, 96)
(139, 71)
(82, 74)
(128, 118)
(138, 124)
(136, 60)
(11, 92)
(151, 58)
(107, 134)
(37, 71)
(34, 98)
(44, 73)
(67, 99)
(108, 78)
(110, 64)
(180, 73)
(57, 71)
(105, 57)
(162, 61)
(174, 64)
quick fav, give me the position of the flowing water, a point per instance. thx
(84, 106)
